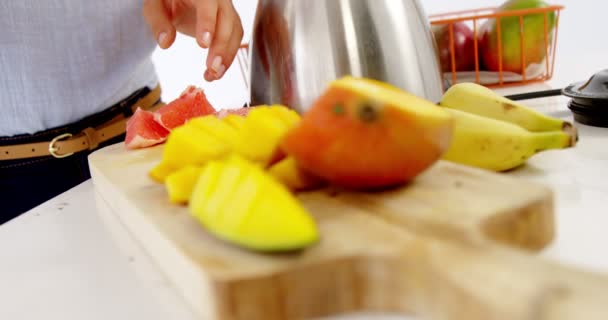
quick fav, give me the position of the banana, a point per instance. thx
(497, 145)
(480, 100)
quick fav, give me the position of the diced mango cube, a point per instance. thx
(263, 131)
(180, 184)
(287, 172)
(288, 116)
(219, 129)
(189, 145)
(236, 121)
(161, 171)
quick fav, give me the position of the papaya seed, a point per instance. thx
(367, 112)
(338, 109)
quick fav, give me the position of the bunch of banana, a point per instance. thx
(495, 133)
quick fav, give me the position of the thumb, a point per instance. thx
(157, 17)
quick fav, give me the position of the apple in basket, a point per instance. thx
(464, 46)
(535, 47)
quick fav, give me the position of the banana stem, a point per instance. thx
(553, 140)
(570, 130)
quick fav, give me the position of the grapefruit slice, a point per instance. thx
(143, 131)
(190, 104)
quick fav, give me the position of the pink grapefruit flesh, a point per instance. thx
(143, 131)
(239, 112)
(190, 104)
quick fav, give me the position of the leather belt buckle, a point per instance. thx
(67, 144)
(53, 149)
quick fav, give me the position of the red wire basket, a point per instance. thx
(496, 62)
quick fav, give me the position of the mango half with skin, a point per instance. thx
(365, 134)
(239, 202)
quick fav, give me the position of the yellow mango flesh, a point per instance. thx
(240, 203)
(188, 145)
(288, 116)
(236, 121)
(161, 171)
(219, 129)
(263, 130)
(254, 137)
(180, 184)
(287, 172)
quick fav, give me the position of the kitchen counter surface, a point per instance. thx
(60, 262)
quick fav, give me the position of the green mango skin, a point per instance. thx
(534, 37)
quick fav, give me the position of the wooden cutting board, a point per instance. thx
(457, 243)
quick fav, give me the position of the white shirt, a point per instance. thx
(61, 60)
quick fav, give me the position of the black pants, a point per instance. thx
(26, 183)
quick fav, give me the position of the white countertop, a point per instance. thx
(60, 262)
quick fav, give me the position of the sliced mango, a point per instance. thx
(180, 184)
(204, 188)
(287, 172)
(214, 207)
(288, 116)
(218, 128)
(189, 145)
(255, 137)
(161, 171)
(236, 121)
(262, 132)
(239, 202)
(242, 208)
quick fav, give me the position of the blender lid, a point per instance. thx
(596, 88)
(589, 103)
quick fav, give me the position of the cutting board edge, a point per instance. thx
(538, 230)
(531, 228)
(165, 254)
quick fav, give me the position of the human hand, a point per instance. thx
(214, 23)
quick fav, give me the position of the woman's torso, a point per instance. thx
(61, 60)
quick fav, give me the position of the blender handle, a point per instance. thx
(535, 94)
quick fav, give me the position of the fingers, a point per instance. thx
(216, 62)
(226, 59)
(206, 18)
(226, 41)
(157, 17)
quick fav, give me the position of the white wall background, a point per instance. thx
(184, 64)
(582, 28)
